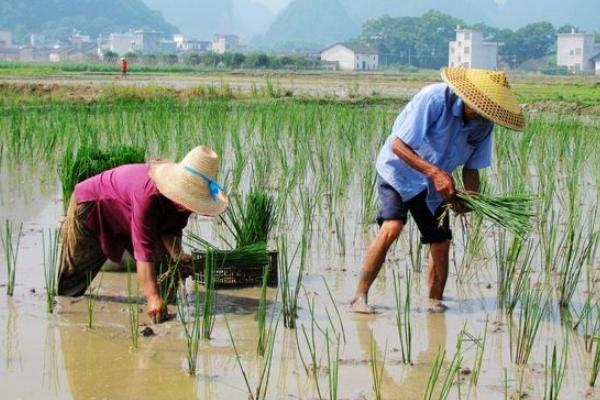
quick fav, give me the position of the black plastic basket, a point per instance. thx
(228, 275)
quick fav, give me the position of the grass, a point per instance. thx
(51, 262)
(133, 304)
(333, 365)
(261, 315)
(87, 161)
(251, 222)
(403, 324)
(554, 372)
(11, 252)
(191, 325)
(92, 298)
(510, 211)
(377, 367)
(289, 294)
(533, 309)
(261, 390)
(210, 296)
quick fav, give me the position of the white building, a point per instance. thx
(121, 43)
(596, 61)
(193, 45)
(6, 40)
(577, 51)
(147, 41)
(351, 57)
(470, 50)
(222, 44)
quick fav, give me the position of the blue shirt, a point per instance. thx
(432, 125)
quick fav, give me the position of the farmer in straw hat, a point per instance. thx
(444, 126)
(141, 208)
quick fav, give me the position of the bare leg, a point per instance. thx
(389, 232)
(438, 269)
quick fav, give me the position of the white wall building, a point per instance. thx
(185, 44)
(121, 43)
(577, 51)
(351, 57)
(147, 41)
(6, 40)
(596, 61)
(222, 44)
(470, 50)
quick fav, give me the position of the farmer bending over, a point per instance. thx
(141, 208)
(444, 126)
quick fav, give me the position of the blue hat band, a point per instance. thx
(213, 186)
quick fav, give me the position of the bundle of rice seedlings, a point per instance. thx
(253, 254)
(87, 161)
(250, 222)
(510, 211)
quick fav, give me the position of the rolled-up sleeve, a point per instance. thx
(144, 233)
(481, 157)
(413, 123)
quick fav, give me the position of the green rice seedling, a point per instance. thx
(533, 309)
(289, 294)
(210, 295)
(415, 248)
(434, 374)
(92, 297)
(311, 343)
(577, 247)
(595, 362)
(51, 260)
(133, 306)
(510, 211)
(260, 392)
(481, 342)
(11, 253)
(337, 311)
(191, 325)
(513, 268)
(333, 365)
(252, 221)
(554, 373)
(453, 370)
(88, 161)
(376, 367)
(261, 315)
(403, 324)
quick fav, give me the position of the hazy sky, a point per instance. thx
(273, 5)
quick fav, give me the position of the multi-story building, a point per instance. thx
(225, 43)
(577, 51)
(121, 43)
(147, 41)
(470, 50)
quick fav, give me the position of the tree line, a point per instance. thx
(423, 41)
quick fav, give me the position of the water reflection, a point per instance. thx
(11, 339)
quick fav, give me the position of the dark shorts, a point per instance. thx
(393, 208)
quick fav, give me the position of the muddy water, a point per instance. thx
(58, 356)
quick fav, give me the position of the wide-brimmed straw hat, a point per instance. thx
(192, 182)
(488, 93)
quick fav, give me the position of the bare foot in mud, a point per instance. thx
(359, 305)
(436, 306)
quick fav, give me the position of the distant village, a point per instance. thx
(576, 52)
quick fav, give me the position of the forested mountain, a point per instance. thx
(58, 18)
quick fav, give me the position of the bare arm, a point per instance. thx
(146, 273)
(172, 244)
(442, 181)
(471, 180)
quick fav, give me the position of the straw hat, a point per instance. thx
(192, 182)
(488, 93)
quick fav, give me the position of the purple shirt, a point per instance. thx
(129, 212)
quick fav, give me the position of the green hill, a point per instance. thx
(58, 18)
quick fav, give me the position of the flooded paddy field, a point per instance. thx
(510, 301)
